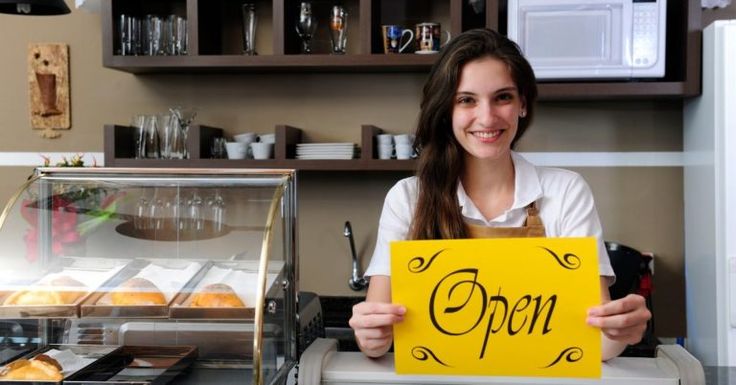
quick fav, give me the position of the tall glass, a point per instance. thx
(306, 25)
(249, 28)
(338, 29)
(151, 144)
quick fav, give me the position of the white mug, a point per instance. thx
(262, 150)
(384, 139)
(404, 151)
(236, 150)
(267, 138)
(385, 151)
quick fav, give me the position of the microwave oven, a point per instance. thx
(590, 39)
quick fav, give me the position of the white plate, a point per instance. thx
(313, 157)
(426, 52)
(307, 145)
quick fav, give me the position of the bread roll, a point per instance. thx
(216, 295)
(61, 290)
(46, 369)
(137, 291)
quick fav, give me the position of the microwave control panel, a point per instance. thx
(645, 33)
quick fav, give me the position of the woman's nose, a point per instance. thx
(486, 114)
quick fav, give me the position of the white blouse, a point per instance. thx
(563, 198)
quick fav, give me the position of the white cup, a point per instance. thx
(262, 150)
(403, 139)
(247, 137)
(404, 151)
(236, 150)
(385, 151)
(384, 139)
(267, 138)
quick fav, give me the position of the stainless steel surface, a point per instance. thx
(356, 282)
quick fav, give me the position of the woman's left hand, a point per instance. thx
(623, 320)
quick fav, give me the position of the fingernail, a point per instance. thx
(402, 310)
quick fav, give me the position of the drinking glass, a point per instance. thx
(338, 29)
(306, 25)
(184, 117)
(138, 123)
(153, 35)
(152, 149)
(141, 213)
(182, 36)
(174, 141)
(130, 35)
(249, 29)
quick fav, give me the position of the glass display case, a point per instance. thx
(149, 276)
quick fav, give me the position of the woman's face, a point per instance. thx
(486, 109)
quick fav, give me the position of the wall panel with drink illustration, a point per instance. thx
(48, 86)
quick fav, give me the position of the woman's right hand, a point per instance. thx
(373, 325)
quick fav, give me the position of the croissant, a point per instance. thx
(41, 368)
(216, 295)
(46, 294)
(137, 291)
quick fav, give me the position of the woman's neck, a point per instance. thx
(490, 184)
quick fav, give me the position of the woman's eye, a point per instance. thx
(464, 100)
(505, 97)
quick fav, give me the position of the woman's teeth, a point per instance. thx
(487, 134)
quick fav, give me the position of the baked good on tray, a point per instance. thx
(41, 368)
(137, 291)
(216, 295)
(61, 290)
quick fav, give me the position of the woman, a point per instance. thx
(477, 103)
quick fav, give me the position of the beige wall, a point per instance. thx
(639, 206)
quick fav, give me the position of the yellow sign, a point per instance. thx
(506, 307)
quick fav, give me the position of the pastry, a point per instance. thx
(41, 368)
(61, 290)
(137, 291)
(216, 295)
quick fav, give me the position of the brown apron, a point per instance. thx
(533, 227)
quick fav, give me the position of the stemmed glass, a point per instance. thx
(306, 25)
(184, 118)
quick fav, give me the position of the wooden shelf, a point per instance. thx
(119, 143)
(273, 63)
(297, 164)
(214, 42)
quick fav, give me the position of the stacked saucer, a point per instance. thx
(326, 150)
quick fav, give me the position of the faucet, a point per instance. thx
(356, 282)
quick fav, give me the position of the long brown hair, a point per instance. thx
(437, 214)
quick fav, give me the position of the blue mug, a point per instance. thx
(392, 37)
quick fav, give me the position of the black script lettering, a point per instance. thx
(454, 309)
(461, 287)
(552, 301)
(495, 300)
(527, 299)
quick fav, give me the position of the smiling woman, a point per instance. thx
(477, 102)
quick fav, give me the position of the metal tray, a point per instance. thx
(137, 365)
(181, 304)
(60, 311)
(95, 304)
(96, 352)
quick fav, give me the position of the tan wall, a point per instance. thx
(640, 207)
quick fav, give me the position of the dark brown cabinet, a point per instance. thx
(215, 41)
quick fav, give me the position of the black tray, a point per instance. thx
(97, 352)
(137, 365)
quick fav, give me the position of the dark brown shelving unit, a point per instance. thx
(119, 143)
(215, 39)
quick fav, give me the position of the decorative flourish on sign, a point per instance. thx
(417, 264)
(569, 261)
(423, 353)
(571, 354)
